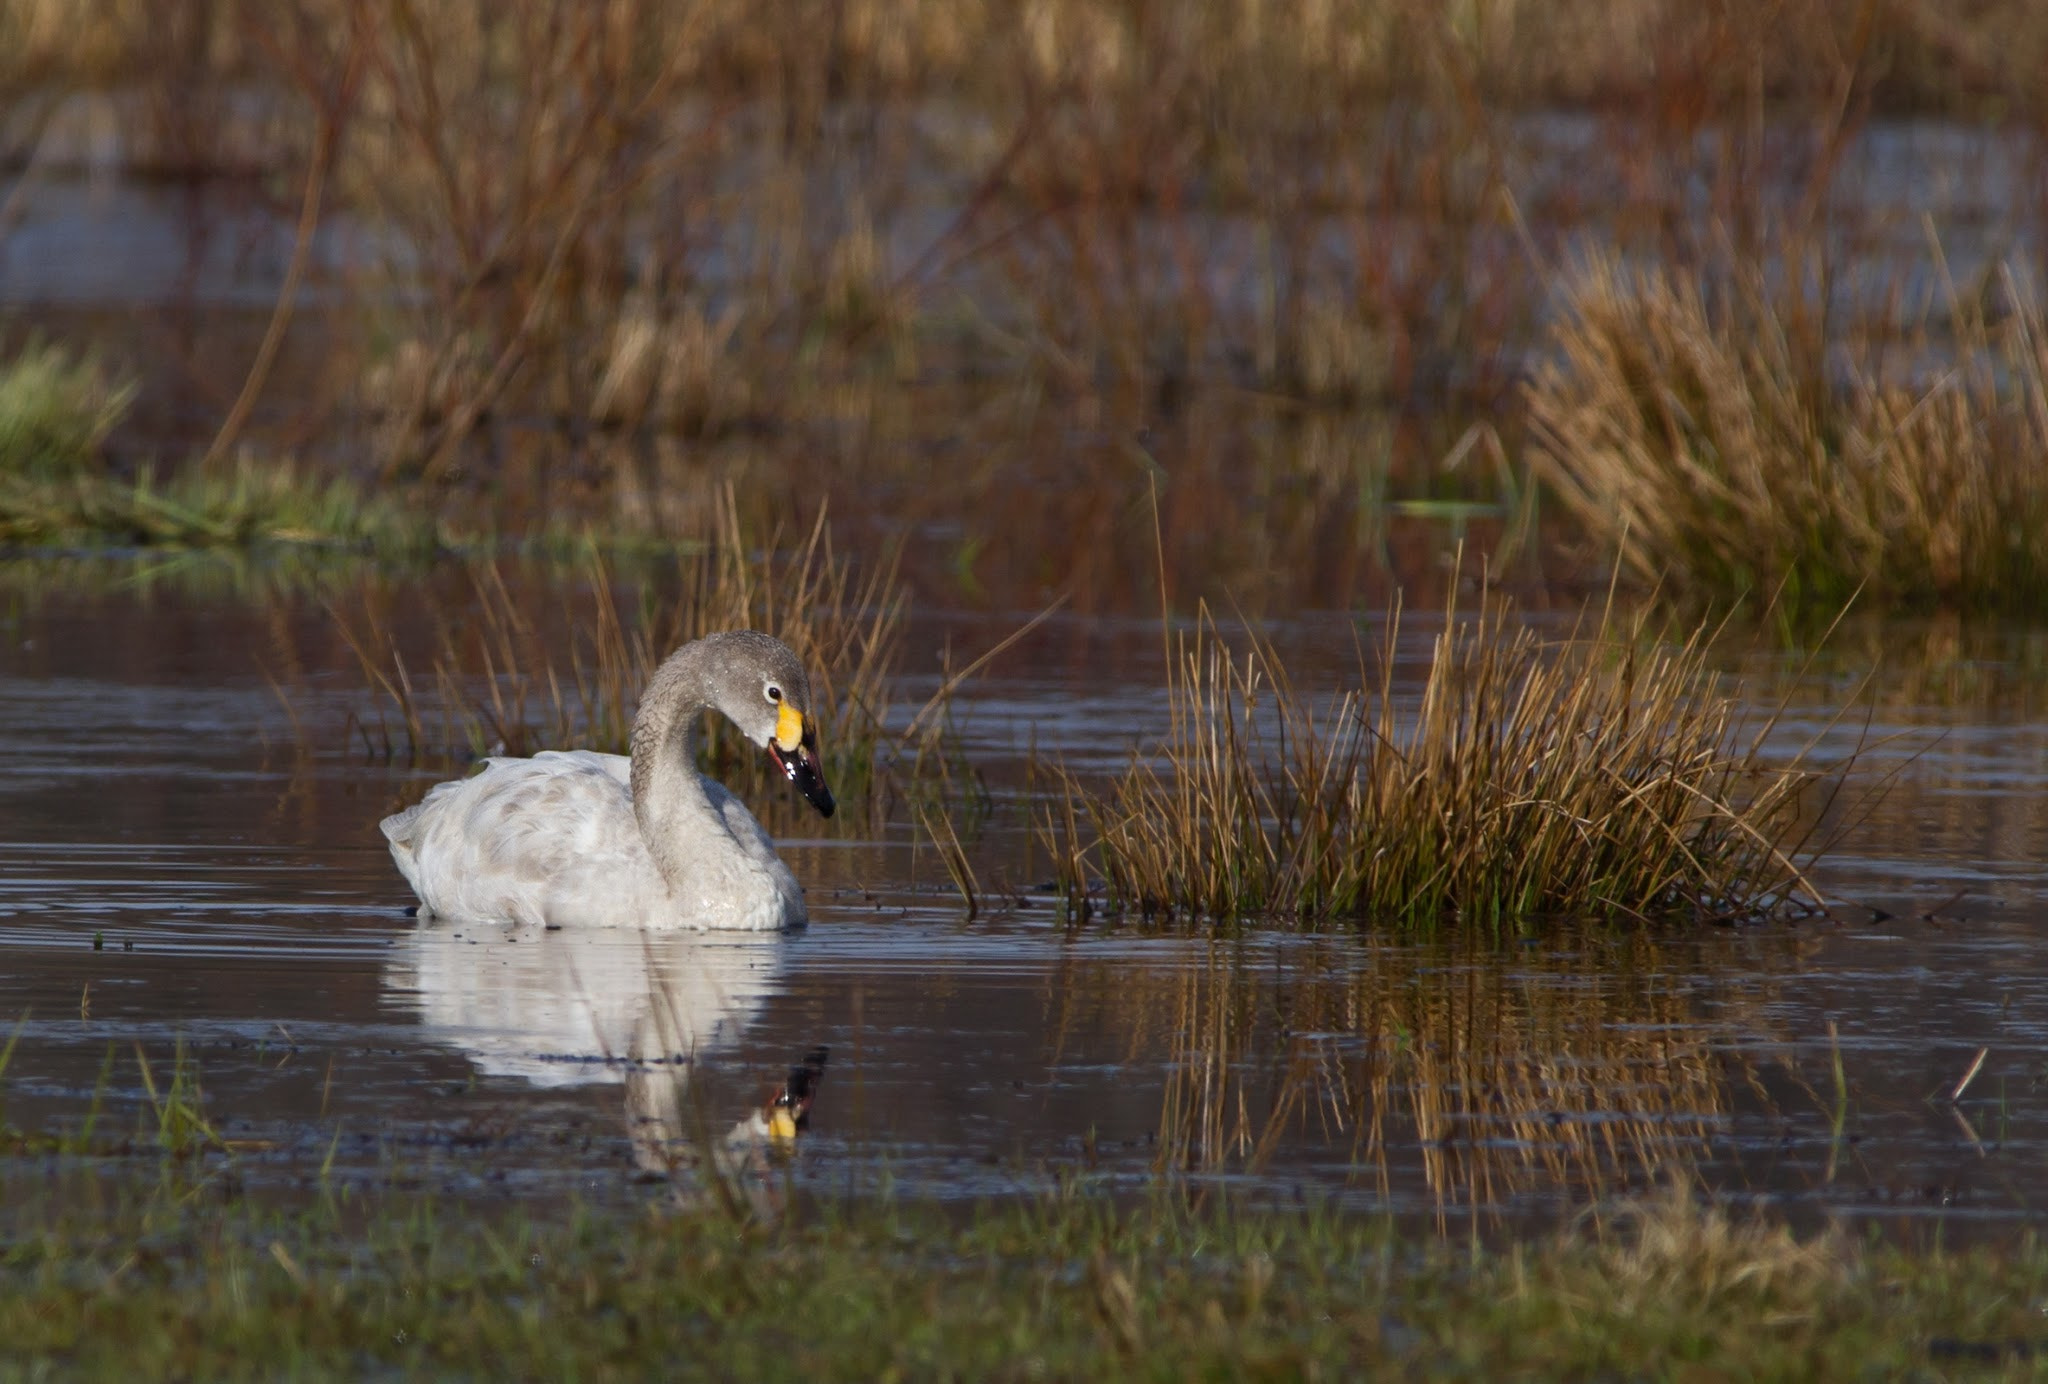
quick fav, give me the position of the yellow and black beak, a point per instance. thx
(794, 748)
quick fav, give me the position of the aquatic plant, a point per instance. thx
(1723, 441)
(1603, 775)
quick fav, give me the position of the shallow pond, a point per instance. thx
(187, 866)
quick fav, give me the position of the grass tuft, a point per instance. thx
(1606, 776)
(56, 410)
(1723, 442)
(243, 505)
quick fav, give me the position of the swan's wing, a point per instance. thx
(550, 839)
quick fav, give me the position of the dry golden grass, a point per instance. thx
(1674, 1242)
(1725, 443)
(1604, 776)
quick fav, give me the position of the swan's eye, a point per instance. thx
(774, 693)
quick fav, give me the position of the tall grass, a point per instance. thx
(1724, 440)
(1607, 775)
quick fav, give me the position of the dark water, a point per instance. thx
(187, 867)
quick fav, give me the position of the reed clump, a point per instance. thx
(1722, 440)
(1604, 776)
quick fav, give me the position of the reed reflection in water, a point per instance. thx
(1581, 1068)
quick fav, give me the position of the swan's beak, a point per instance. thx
(794, 749)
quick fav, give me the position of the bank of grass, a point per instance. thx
(208, 1285)
(57, 407)
(57, 488)
(1721, 436)
(1605, 775)
(241, 505)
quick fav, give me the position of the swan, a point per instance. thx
(572, 838)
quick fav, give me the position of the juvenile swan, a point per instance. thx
(578, 839)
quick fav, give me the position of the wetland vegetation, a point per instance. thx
(487, 351)
(208, 1285)
(1608, 776)
(579, 272)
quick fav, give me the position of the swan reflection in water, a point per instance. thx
(576, 1007)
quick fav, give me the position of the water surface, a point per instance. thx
(187, 866)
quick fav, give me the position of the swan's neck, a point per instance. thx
(668, 792)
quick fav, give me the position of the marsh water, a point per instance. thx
(192, 871)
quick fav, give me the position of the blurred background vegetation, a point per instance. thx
(538, 265)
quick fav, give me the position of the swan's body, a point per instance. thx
(578, 839)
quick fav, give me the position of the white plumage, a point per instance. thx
(579, 839)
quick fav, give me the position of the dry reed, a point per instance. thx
(1607, 776)
(1724, 442)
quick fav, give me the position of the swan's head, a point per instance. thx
(761, 686)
